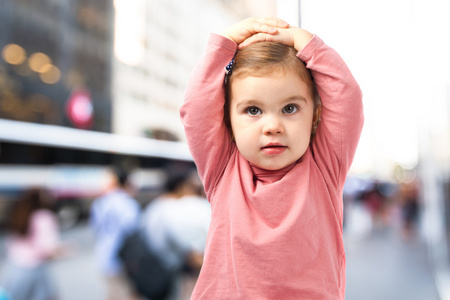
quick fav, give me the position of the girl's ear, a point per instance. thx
(317, 114)
(316, 119)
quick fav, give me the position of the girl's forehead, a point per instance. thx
(273, 86)
(270, 80)
(271, 72)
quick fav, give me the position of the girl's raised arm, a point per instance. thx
(342, 119)
(202, 112)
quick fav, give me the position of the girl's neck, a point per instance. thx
(270, 176)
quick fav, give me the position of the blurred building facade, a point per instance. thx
(55, 66)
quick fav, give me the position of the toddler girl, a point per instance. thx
(273, 157)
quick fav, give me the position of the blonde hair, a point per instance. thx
(260, 59)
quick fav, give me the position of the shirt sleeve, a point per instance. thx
(342, 117)
(202, 112)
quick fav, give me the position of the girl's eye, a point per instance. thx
(253, 110)
(290, 109)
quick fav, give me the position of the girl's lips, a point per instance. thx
(273, 149)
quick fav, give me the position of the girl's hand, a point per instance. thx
(292, 36)
(241, 31)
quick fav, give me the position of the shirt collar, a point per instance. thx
(269, 176)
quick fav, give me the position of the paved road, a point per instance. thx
(380, 266)
(384, 266)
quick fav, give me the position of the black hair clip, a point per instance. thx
(229, 70)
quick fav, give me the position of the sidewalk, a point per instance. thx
(383, 266)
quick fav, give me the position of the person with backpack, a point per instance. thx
(174, 227)
(113, 216)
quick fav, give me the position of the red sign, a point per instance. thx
(79, 109)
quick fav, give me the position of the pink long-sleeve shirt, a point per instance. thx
(273, 234)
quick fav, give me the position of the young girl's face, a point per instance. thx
(271, 118)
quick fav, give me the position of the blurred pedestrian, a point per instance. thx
(409, 200)
(32, 242)
(376, 204)
(175, 227)
(112, 217)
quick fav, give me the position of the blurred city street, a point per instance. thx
(379, 266)
(91, 86)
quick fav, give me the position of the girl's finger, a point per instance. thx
(251, 26)
(256, 38)
(274, 22)
(257, 28)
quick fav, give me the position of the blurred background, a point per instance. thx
(85, 84)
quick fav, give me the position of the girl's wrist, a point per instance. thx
(301, 38)
(224, 34)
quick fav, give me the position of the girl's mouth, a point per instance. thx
(273, 149)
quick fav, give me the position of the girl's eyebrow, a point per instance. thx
(248, 102)
(255, 102)
(295, 98)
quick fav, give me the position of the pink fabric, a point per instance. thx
(273, 235)
(39, 245)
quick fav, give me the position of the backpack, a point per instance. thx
(145, 269)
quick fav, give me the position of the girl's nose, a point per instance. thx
(272, 125)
